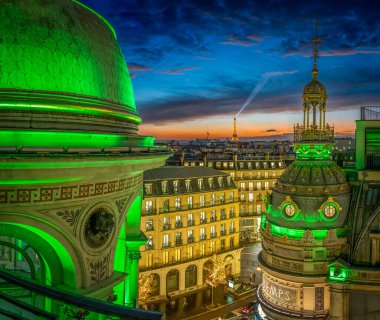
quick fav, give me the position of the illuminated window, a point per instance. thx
(259, 185)
(231, 196)
(220, 181)
(266, 185)
(189, 202)
(177, 203)
(265, 174)
(187, 185)
(211, 183)
(164, 186)
(250, 197)
(212, 246)
(229, 181)
(177, 255)
(249, 165)
(189, 252)
(165, 257)
(250, 186)
(242, 186)
(202, 249)
(258, 208)
(212, 199)
(202, 200)
(149, 206)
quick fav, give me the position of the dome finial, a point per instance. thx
(316, 41)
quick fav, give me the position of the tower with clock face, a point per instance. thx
(304, 228)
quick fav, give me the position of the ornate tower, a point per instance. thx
(305, 226)
(71, 161)
(234, 135)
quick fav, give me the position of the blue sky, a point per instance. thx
(194, 63)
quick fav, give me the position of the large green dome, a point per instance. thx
(61, 46)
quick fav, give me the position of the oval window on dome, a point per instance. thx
(289, 210)
(329, 211)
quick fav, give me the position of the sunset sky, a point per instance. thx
(194, 63)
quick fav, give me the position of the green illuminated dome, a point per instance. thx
(62, 58)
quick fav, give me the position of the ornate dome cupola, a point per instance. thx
(304, 228)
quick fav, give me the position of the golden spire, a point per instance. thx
(234, 135)
(316, 41)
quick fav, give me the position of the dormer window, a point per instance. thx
(200, 184)
(220, 181)
(148, 188)
(211, 183)
(164, 186)
(176, 186)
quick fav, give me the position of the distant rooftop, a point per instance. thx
(174, 172)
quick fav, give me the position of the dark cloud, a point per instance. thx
(271, 130)
(178, 71)
(138, 67)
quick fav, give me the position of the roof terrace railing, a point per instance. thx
(370, 113)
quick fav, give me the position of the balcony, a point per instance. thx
(178, 242)
(223, 232)
(232, 230)
(223, 216)
(166, 245)
(179, 224)
(213, 235)
(202, 237)
(203, 221)
(190, 223)
(213, 219)
(232, 215)
(149, 228)
(194, 257)
(166, 226)
(147, 211)
(190, 239)
(197, 205)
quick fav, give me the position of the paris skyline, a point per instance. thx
(193, 64)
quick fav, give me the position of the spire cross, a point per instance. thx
(316, 41)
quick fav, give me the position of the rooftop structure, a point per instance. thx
(71, 165)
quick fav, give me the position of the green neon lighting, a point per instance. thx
(66, 55)
(71, 139)
(338, 274)
(71, 109)
(69, 274)
(303, 217)
(313, 151)
(298, 233)
(38, 181)
(98, 15)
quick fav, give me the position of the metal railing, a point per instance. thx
(198, 205)
(370, 113)
(313, 133)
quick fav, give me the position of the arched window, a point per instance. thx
(156, 284)
(172, 280)
(191, 276)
